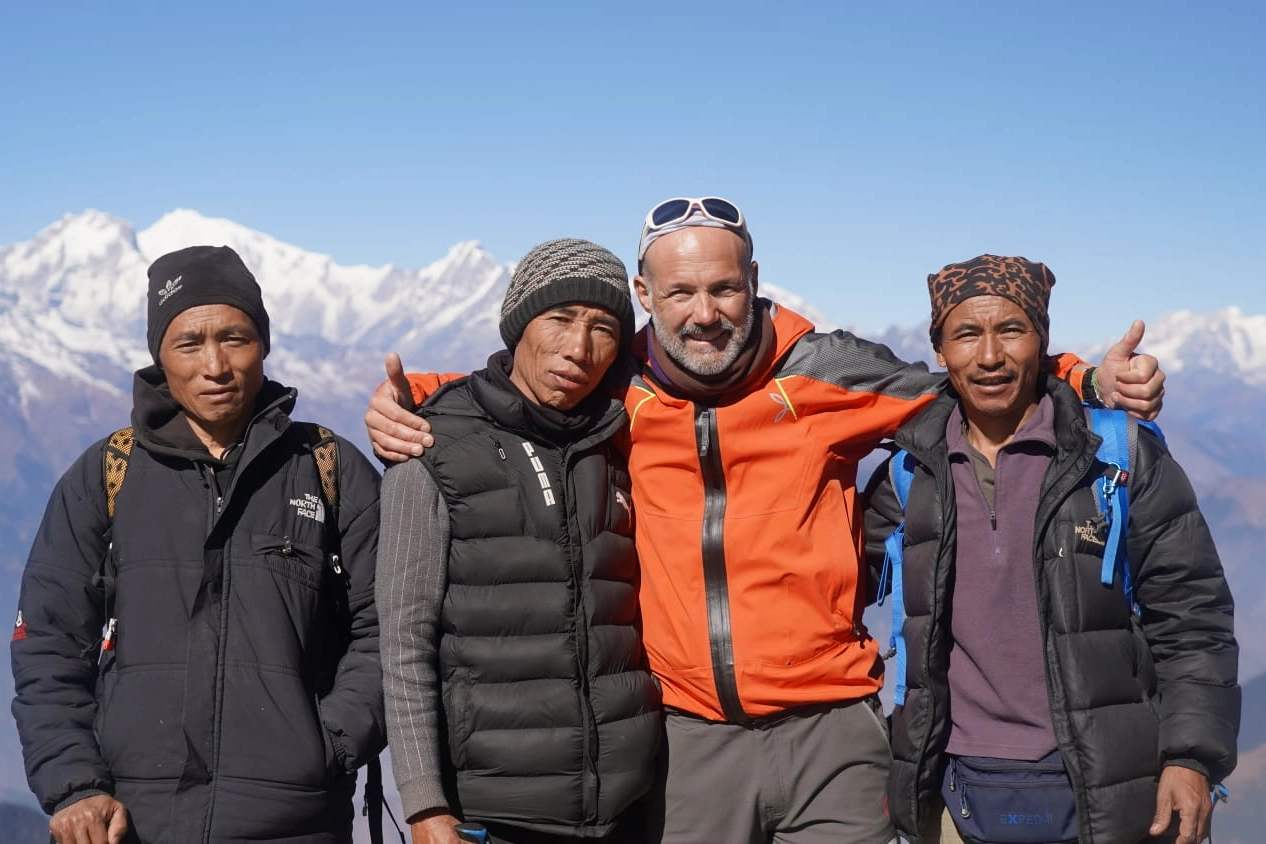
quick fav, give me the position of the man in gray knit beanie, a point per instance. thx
(518, 693)
(561, 271)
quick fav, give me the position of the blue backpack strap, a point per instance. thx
(1117, 451)
(901, 473)
(1110, 490)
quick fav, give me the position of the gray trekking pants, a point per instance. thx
(815, 775)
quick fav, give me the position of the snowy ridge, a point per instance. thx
(798, 304)
(308, 293)
(1229, 342)
(72, 302)
(73, 299)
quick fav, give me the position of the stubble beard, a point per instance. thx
(704, 365)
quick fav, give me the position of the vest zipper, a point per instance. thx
(715, 575)
(575, 557)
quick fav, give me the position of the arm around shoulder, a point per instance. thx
(846, 360)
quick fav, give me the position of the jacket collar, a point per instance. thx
(1038, 428)
(160, 425)
(494, 396)
(924, 436)
(787, 326)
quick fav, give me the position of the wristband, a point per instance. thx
(1090, 388)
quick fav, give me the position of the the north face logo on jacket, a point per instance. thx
(1091, 534)
(310, 506)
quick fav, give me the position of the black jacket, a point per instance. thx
(553, 716)
(1127, 694)
(232, 706)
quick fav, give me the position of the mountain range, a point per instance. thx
(72, 330)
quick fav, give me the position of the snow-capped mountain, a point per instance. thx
(76, 295)
(1229, 341)
(72, 327)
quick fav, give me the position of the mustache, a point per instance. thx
(694, 330)
(993, 375)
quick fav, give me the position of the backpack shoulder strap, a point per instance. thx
(1114, 430)
(901, 470)
(114, 462)
(325, 452)
(115, 458)
(901, 474)
(1119, 453)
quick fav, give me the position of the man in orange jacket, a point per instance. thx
(745, 431)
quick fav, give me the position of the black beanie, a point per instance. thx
(201, 275)
(566, 270)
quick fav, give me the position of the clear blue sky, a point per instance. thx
(868, 142)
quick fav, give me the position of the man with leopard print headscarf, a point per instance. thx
(1019, 658)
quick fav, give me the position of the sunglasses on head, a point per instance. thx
(679, 208)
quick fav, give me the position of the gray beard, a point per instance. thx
(674, 345)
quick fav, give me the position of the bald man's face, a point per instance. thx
(700, 291)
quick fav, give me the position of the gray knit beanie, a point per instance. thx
(566, 270)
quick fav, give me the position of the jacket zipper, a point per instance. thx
(575, 558)
(1056, 493)
(991, 504)
(715, 576)
(217, 508)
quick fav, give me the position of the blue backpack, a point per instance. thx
(1120, 443)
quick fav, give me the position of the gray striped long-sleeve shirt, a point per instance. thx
(411, 578)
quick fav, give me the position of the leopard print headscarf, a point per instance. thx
(1024, 282)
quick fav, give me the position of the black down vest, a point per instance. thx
(552, 714)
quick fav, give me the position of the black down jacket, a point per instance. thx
(1128, 694)
(239, 700)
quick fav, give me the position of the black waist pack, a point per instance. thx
(1009, 801)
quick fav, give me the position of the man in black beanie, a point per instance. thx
(518, 693)
(196, 656)
(201, 275)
